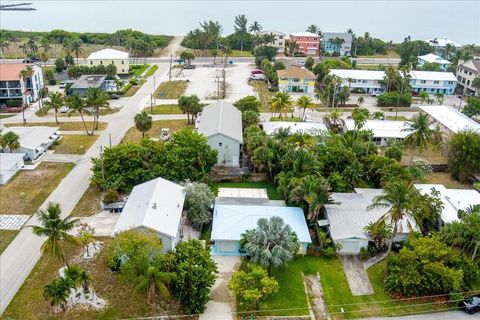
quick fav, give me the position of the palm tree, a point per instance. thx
(360, 100)
(476, 83)
(240, 26)
(55, 102)
(271, 244)
(55, 229)
(77, 104)
(96, 99)
(255, 27)
(280, 102)
(76, 47)
(305, 102)
(143, 122)
(4, 44)
(24, 74)
(84, 278)
(334, 117)
(378, 115)
(448, 50)
(154, 279)
(423, 95)
(10, 140)
(293, 47)
(57, 291)
(400, 198)
(359, 117)
(421, 133)
(313, 29)
(313, 191)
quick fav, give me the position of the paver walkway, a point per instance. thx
(356, 275)
(315, 292)
(12, 221)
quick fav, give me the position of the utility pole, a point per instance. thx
(103, 169)
(110, 139)
(224, 83)
(218, 88)
(151, 102)
(170, 69)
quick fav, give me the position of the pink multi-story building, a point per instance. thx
(308, 43)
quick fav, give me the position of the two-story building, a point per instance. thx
(296, 80)
(361, 81)
(308, 43)
(13, 87)
(278, 41)
(87, 81)
(466, 72)
(439, 45)
(433, 82)
(110, 56)
(433, 58)
(339, 42)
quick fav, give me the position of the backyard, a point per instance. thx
(171, 90)
(264, 95)
(133, 135)
(26, 192)
(74, 143)
(446, 179)
(124, 301)
(67, 126)
(164, 109)
(272, 192)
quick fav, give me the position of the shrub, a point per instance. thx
(13, 103)
(110, 196)
(364, 253)
(279, 65)
(389, 99)
(329, 252)
(394, 152)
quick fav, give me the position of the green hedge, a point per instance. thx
(390, 99)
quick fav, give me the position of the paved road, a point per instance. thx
(22, 254)
(451, 315)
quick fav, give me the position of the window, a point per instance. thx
(91, 62)
(280, 37)
(436, 82)
(314, 45)
(451, 82)
(468, 82)
(364, 81)
(101, 62)
(280, 43)
(220, 144)
(469, 73)
(123, 62)
(123, 70)
(113, 62)
(423, 81)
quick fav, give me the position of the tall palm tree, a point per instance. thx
(476, 83)
(240, 26)
(280, 102)
(143, 122)
(96, 99)
(293, 46)
(77, 104)
(154, 280)
(76, 47)
(360, 100)
(421, 133)
(448, 50)
(271, 244)
(10, 140)
(25, 74)
(55, 229)
(313, 191)
(255, 27)
(4, 44)
(313, 29)
(305, 102)
(400, 198)
(57, 291)
(55, 102)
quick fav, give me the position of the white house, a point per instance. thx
(439, 44)
(383, 130)
(450, 120)
(10, 163)
(231, 221)
(110, 56)
(12, 87)
(155, 205)
(466, 72)
(221, 123)
(433, 82)
(313, 128)
(360, 80)
(279, 41)
(433, 58)
(453, 199)
(347, 218)
(34, 141)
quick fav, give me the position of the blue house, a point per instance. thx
(231, 221)
(433, 82)
(329, 45)
(432, 58)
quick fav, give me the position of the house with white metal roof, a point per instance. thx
(383, 130)
(365, 81)
(110, 56)
(10, 163)
(221, 123)
(350, 214)
(312, 128)
(155, 205)
(439, 45)
(433, 58)
(449, 120)
(231, 221)
(453, 199)
(433, 82)
(34, 141)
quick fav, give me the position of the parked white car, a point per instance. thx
(307, 118)
(165, 135)
(257, 76)
(64, 109)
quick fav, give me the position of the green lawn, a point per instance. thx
(138, 69)
(74, 143)
(6, 236)
(272, 192)
(171, 90)
(164, 109)
(133, 89)
(286, 119)
(264, 95)
(133, 135)
(4, 116)
(66, 126)
(399, 118)
(151, 71)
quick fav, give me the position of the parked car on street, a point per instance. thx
(257, 71)
(471, 305)
(375, 94)
(64, 109)
(62, 85)
(114, 96)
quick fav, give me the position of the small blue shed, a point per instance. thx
(230, 221)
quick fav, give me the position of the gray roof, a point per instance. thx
(342, 35)
(33, 137)
(89, 81)
(10, 160)
(221, 118)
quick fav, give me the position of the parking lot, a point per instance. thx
(203, 81)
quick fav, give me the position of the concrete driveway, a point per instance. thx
(356, 275)
(222, 303)
(104, 222)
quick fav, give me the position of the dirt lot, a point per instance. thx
(26, 192)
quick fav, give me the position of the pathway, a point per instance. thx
(12, 221)
(356, 275)
(315, 292)
(59, 157)
(222, 303)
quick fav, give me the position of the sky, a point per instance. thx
(388, 20)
